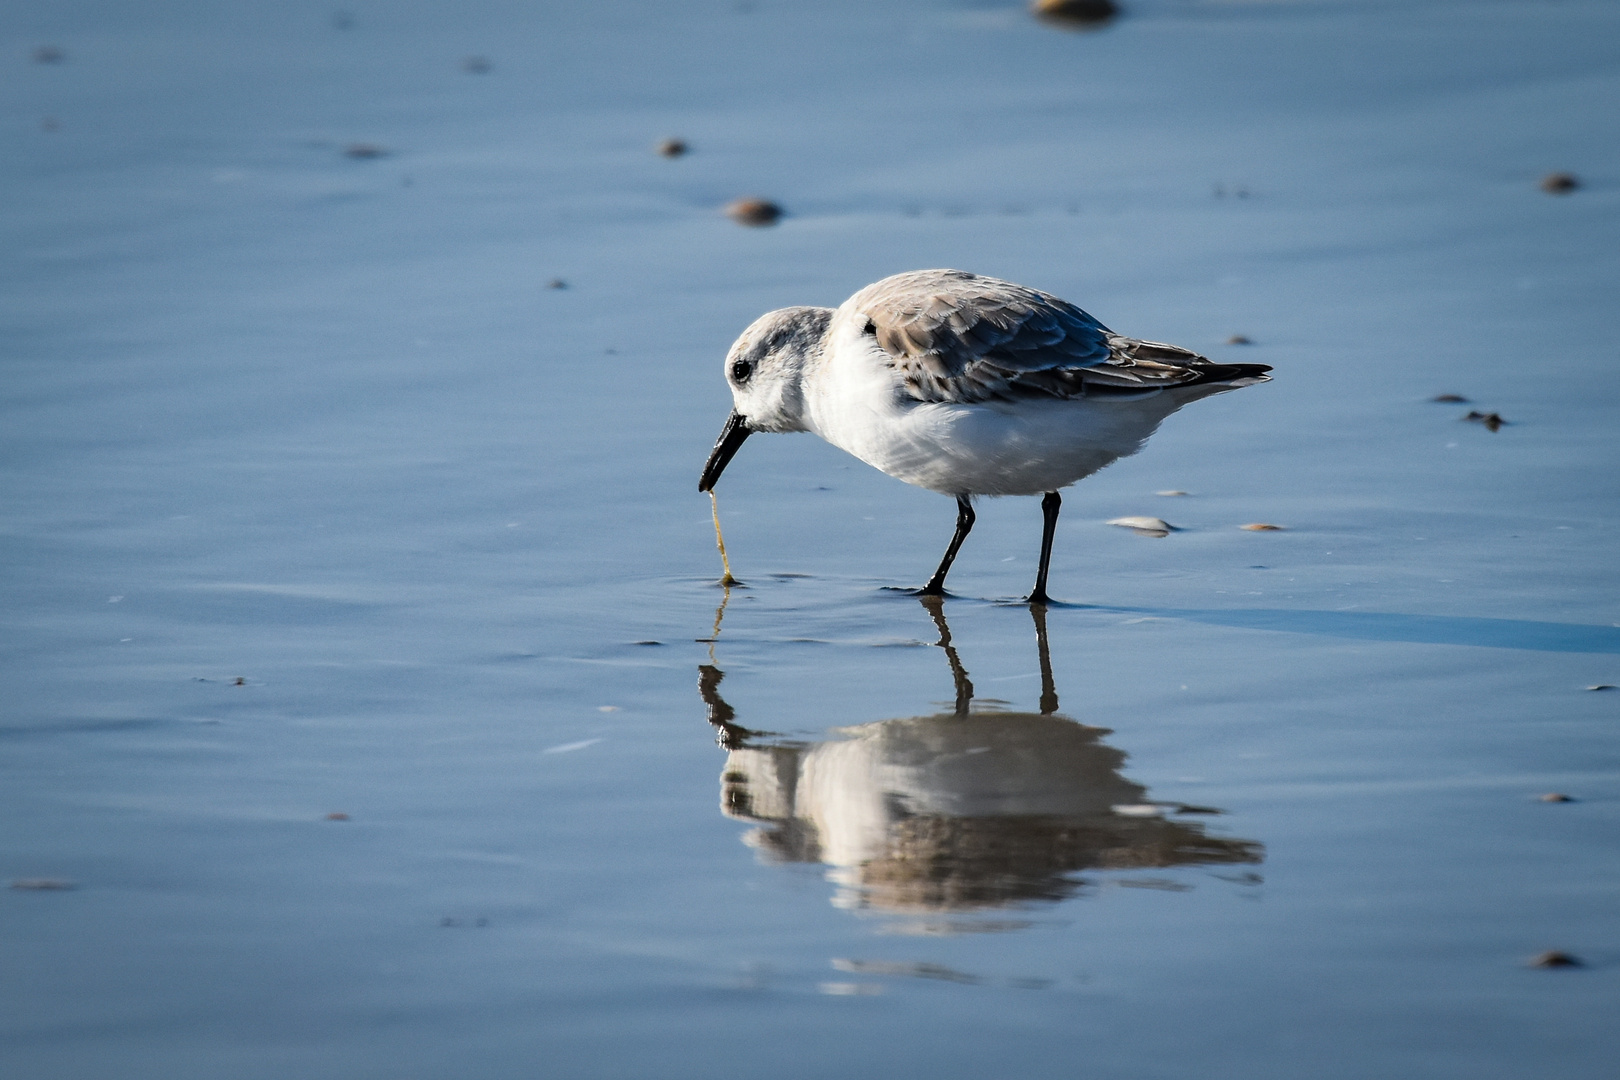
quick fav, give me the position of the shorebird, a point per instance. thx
(962, 384)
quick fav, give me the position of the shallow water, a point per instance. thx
(317, 500)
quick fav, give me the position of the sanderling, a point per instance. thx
(965, 385)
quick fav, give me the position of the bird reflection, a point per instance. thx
(964, 811)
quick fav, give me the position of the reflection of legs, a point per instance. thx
(731, 735)
(964, 689)
(1049, 512)
(964, 524)
(1049, 700)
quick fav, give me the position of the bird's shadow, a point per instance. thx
(1526, 634)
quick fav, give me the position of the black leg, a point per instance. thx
(964, 525)
(1049, 511)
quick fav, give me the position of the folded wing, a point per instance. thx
(952, 336)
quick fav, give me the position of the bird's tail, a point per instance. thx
(1231, 374)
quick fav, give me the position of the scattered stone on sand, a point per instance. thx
(239, 681)
(1559, 183)
(1601, 686)
(1449, 399)
(1172, 493)
(1557, 796)
(556, 283)
(43, 884)
(49, 54)
(364, 150)
(1075, 14)
(476, 65)
(671, 147)
(337, 815)
(1144, 526)
(649, 641)
(1492, 421)
(1261, 526)
(1553, 958)
(754, 212)
(1240, 339)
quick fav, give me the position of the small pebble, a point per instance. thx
(1171, 494)
(43, 884)
(649, 642)
(1450, 399)
(1492, 421)
(1075, 14)
(49, 54)
(1553, 958)
(476, 65)
(1557, 796)
(1260, 526)
(364, 150)
(239, 681)
(754, 212)
(671, 147)
(1239, 339)
(556, 283)
(1144, 526)
(1601, 686)
(1559, 183)
(337, 815)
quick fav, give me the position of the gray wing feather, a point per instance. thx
(959, 337)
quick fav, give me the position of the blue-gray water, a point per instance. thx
(315, 499)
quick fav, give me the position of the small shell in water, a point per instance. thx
(1144, 526)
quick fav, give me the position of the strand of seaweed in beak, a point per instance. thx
(720, 541)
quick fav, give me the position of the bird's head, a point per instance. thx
(765, 370)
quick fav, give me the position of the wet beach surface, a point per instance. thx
(371, 709)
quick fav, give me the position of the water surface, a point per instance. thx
(317, 501)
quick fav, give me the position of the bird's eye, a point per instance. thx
(870, 328)
(741, 370)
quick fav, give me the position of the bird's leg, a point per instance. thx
(964, 524)
(1049, 511)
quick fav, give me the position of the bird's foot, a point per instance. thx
(931, 589)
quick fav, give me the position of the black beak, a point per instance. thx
(731, 437)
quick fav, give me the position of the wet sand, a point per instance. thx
(360, 611)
